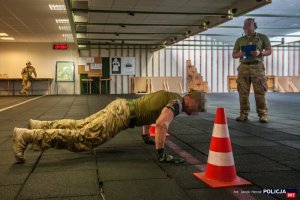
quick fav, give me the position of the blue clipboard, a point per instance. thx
(247, 49)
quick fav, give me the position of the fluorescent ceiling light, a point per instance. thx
(57, 7)
(68, 35)
(62, 21)
(81, 46)
(69, 39)
(7, 38)
(3, 35)
(64, 28)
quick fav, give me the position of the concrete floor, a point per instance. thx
(125, 168)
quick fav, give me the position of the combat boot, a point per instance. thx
(263, 119)
(242, 117)
(21, 138)
(37, 124)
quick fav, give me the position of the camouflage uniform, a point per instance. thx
(85, 134)
(27, 76)
(147, 109)
(80, 135)
(252, 71)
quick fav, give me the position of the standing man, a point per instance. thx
(252, 70)
(27, 77)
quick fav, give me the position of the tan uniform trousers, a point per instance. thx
(26, 84)
(255, 75)
(85, 134)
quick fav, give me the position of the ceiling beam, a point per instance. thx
(132, 24)
(225, 41)
(113, 40)
(129, 33)
(272, 15)
(133, 12)
(118, 44)
(262, 27)
(192, 48)
(167, 48)
(107, 48)
(222, 45)
(232, 35)
(119, 39)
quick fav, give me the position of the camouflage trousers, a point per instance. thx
(255, 75)
(26, 84)
(85, 134)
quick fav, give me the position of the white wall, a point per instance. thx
(213, 64)
(13, 57)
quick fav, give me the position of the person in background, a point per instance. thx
(27, 78)
(251, 70)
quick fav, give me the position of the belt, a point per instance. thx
(252, 63)
(132, 113)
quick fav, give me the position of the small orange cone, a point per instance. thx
(220, 167)
(152, 131)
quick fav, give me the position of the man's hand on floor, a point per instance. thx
(148, 140)
(163, 157)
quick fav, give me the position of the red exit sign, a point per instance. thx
(60, 46)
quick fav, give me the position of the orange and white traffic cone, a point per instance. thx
(152, 130)
(220, 167)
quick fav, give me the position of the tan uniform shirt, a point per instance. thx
(28, 71)
(149, 107)
(260, 40)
